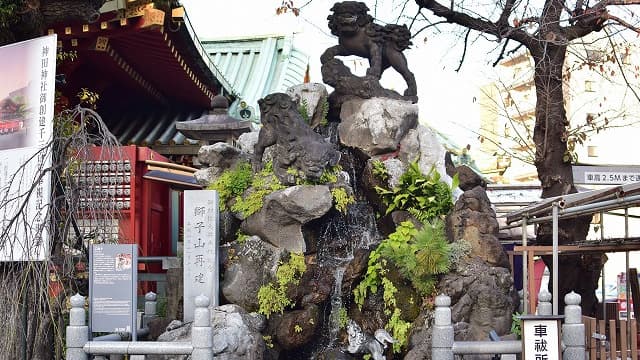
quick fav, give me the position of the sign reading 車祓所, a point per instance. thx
(27, 91)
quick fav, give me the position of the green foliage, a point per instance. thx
(233, 182)
(379, 170)
(341, 199)
(419, 256)
(424, 196)
(343, 317)
(297, 328)
(241, 237)
(273, 297)
(8, 16)
(516, 324)
(399, 330)
(372, 278)
(303, 109)
(324, 106)
(268, 341)
(329, 176)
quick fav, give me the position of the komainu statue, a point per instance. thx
(359, 35)
(360, 342)
(299, 151)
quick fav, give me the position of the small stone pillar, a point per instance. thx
(201, 332)
(573, 328)
(545, 307)
(150, 308)
(442, 338)
(77, 331)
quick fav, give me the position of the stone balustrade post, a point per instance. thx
(573, 331)
(545, 307)
(201, 331)
(150, 308)
(442, 338)
(77, 331)
(521, 303)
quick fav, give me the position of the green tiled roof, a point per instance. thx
(257, 66)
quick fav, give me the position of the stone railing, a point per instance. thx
(79, 347)
(444, 347)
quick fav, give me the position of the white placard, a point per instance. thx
(541, 339)
(201, 238)
(27, 91)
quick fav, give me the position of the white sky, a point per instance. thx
(447, 98)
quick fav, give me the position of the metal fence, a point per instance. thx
(444, 347)
(79, 347)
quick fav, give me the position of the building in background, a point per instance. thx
(257, 66)
(602, 108)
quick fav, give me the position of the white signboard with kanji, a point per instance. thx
(540, 338)
(27, 90)
(201, 238)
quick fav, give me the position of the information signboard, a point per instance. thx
(605, 175)
(27, 90)
(112, 287)
(201, 238)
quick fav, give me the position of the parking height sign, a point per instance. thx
(201, 239)
(27, 89)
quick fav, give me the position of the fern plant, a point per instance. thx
(424, 196)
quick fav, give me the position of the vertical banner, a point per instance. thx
(200, 248)
(112, 288)
(27, 91)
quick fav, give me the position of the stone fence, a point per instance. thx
(79, 347)
(444, 347)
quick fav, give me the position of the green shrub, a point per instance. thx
(424, 196)
(419, 256)
(379, 170)
(273, 297)
(261, 184)
(341, 199)
(233, 182)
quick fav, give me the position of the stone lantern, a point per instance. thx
(216, 126)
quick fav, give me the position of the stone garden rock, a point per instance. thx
(474, 221)
(285, 211)
(254, 264)
(247, 141)
(377, 125)
(422, 144)
(312, 96)
(297, 327)
(236, 335)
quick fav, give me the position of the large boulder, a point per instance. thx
(422, 144)
(297, 327)
(236, 335)
(217, 158)
(254, 264)
(285, 211)
(313, 97)
(474, 220)
(377, 125)
(482, 296)
(483, 299)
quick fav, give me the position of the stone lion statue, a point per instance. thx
(297, 146)
(359, 35)
(359, 342)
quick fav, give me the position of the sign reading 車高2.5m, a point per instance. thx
(27, 90)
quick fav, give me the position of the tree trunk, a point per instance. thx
(577, 273)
